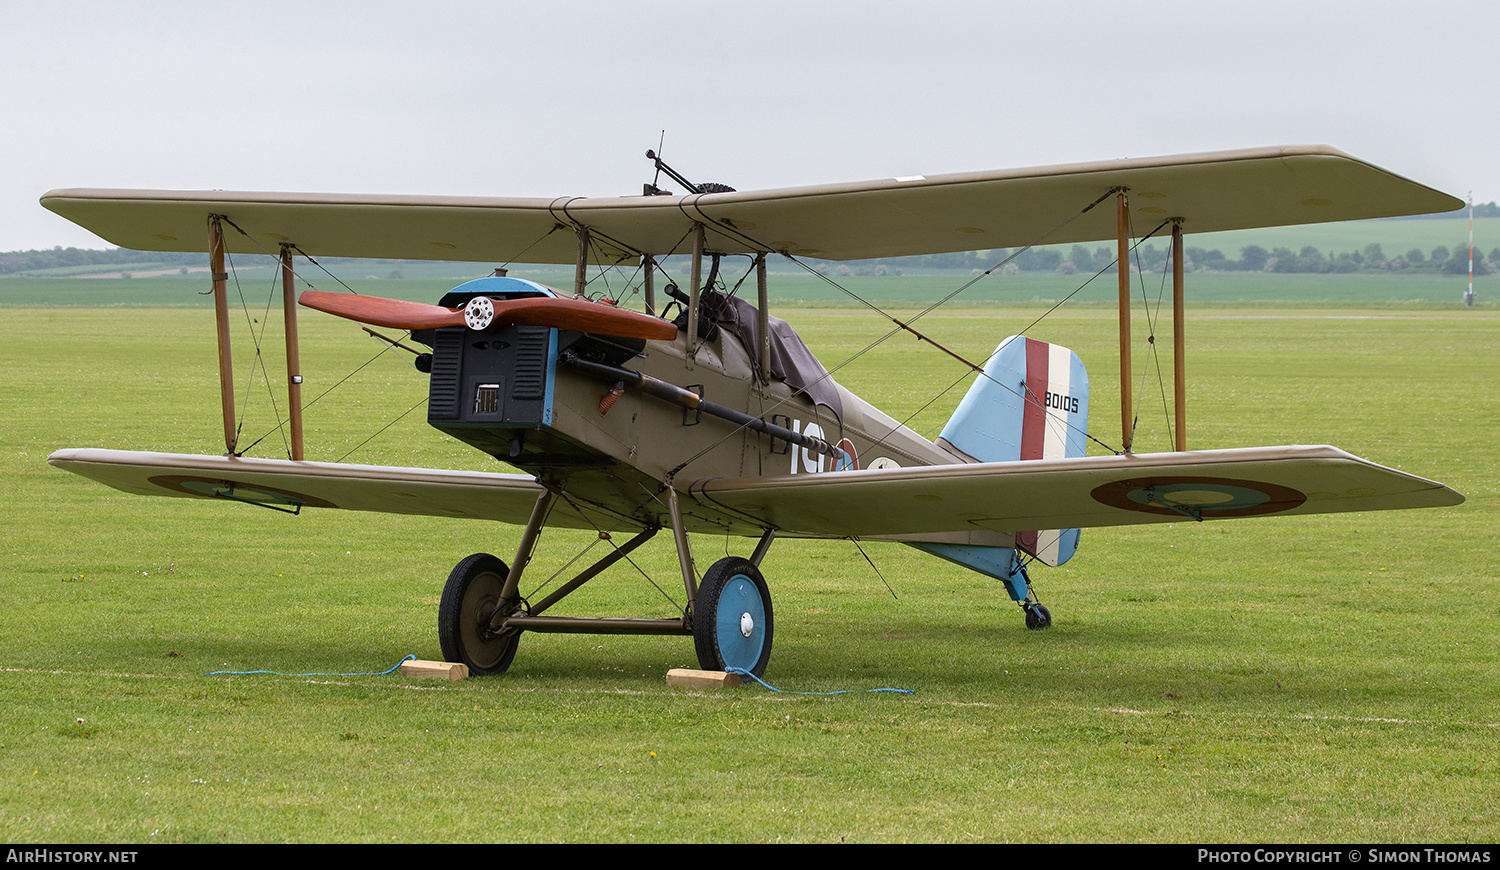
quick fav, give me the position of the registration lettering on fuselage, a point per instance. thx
(803, 460)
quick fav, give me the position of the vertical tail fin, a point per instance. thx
(1031, 403)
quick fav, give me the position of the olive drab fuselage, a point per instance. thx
(614, 447)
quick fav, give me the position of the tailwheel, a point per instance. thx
(1037, 616)
(732, 622)
(470, 599)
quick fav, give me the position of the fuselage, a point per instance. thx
(512, 393)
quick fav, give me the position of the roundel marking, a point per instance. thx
(1207, 497)
(850, 460)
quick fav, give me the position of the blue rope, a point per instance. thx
(280, 674)
(744, 673)
(741, 671)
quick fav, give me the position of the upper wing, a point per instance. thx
(890, 217)
(280, 483)
(1074, 493)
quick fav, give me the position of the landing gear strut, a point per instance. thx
(482, 614)
(1037, 616)
(1021, 590)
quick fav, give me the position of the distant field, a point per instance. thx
(1204, 288)
(1395, 237)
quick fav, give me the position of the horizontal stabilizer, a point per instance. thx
(1081, 492)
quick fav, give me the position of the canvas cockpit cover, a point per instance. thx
(790, 360)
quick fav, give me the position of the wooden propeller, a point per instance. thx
(484, 313)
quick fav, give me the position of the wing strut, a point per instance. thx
(293, 359)
(690, 343)
(763, 318)
(648, 266)
(1179, 341)
(1179, 316)
(1122, 268)
(581, 268)
(226, 358)
(221, 320)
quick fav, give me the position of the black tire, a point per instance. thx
(469, 599)
(733, 599)
(1038, 617)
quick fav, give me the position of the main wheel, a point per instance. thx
(732, 622)
(470, 598)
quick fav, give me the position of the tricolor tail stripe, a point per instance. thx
(1032, 403)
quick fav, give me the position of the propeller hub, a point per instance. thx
(479, 313)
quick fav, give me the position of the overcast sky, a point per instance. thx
(563, 98)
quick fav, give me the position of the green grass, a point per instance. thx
(1327, 678)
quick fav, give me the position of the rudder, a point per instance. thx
(1031, 403)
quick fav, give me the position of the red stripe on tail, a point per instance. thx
(1034, 415)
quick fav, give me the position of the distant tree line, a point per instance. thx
(27, 261)
(1372, 258)
(1253, 258)
(1079, 259)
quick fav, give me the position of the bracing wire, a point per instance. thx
(900, 325)
(375, 434)
(641, 267)
(281, 424)
(256, 339)
(1152, 318)
(310, 259)
(1076, 291)
(606, 535)
(539, 239)
(1160, 382)
(871, 562)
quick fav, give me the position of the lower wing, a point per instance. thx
(1074, 493)
(889, 502)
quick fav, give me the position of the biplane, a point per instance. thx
(706, 415)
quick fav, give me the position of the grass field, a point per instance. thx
(1325, 678)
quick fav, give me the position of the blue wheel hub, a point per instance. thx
(740, 623)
